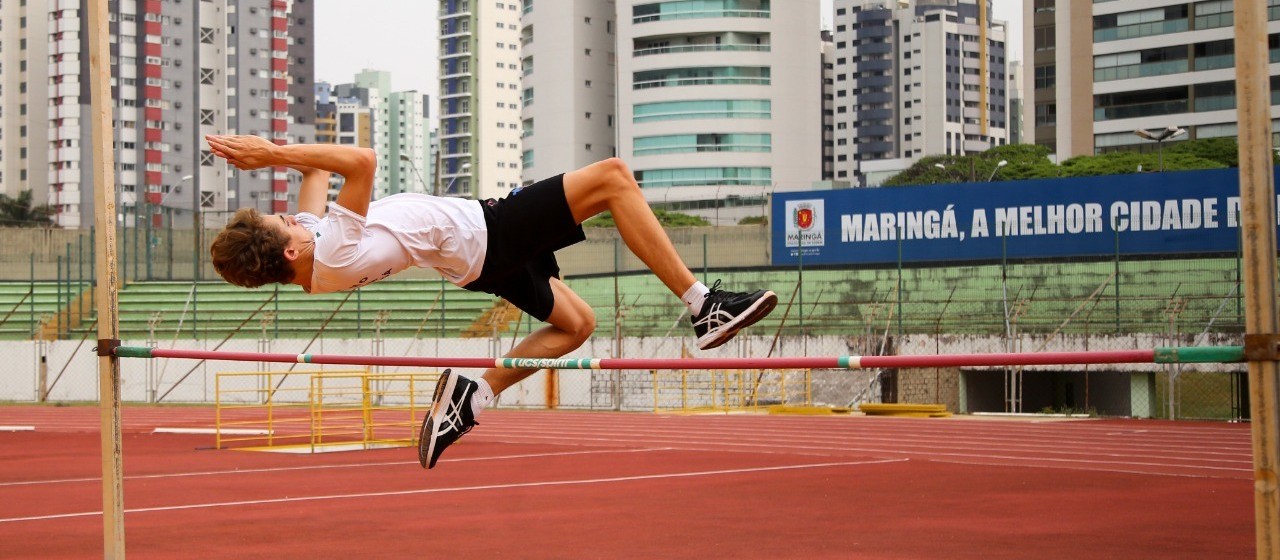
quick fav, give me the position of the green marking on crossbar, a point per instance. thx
(545, 363)
(133, 352)
(1200, 355)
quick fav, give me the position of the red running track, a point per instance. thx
(615, 485)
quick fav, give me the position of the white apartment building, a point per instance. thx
(916, 78)
(569, 62)
(719, 102)
(480, 97)
(1099, 70)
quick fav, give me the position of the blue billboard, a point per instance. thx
(1141, 214)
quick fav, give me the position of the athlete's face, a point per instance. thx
(300, 238)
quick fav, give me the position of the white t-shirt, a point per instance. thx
(402, 230)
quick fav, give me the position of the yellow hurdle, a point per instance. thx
(319, 410)
(724, 391)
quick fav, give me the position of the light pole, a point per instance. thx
(196, 226)
(1159, 135)
(414, 166)
(461, 170)
(175, 190)
(718, 203)
(997, 169)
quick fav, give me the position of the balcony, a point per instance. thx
(702, 48)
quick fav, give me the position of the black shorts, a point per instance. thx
(526, 228)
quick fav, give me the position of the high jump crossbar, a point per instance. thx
(1165, 355)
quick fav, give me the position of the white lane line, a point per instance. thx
(1093, 449)
(212, 431)
(922, 455)
(337, 466)
(1208, 476)
(1049, 440)
(1053, 432)
(860, 426)
(17, 428)
(543, 484)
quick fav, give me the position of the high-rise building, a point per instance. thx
(180, 70)
(326, 114)
(568, 86)
(373, 87)
(368, 114)
(1058, 54)
(828, 106)
(916, 78)
(1017, 73)
(720, 102)
(480, 97)
(407, 142)
(1098, 71)
(269, 83)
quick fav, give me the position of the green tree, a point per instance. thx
(1121, 163)
(1032, 162)
(1025, 161)
(1222, 150)
(20, 212)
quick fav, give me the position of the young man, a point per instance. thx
(503, 247)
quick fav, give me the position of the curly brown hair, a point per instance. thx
(248, 253)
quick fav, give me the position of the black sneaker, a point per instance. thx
(725, 313)
(449, 419)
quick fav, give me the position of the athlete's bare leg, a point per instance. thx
(609, 185)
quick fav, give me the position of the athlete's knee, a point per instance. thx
(616, 175)
(581, 325)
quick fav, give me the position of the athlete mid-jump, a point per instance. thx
(504, 247)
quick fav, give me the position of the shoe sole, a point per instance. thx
(432, 421)
(758, 310)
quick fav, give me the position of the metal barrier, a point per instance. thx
(730, 390)
(317, 411)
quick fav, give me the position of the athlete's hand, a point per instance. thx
(242, 151)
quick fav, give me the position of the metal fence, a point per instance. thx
(1100, 303)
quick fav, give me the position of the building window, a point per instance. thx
(692, 9)
(691, 176)
(1142, 23)
(1045, 38)
(702, 76)
(703, 109)
(1046, 114)
(692, 143)
(1046, 76)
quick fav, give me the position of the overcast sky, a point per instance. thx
(399, 36)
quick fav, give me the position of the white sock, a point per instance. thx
(482, 397)
(694, 296)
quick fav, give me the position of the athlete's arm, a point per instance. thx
(356, 165)
(314, 192)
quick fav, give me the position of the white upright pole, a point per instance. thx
(104, 203)
(1258, 234)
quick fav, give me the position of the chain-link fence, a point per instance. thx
(1107, 302)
